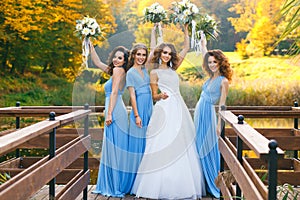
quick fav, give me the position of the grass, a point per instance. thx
(256, 81)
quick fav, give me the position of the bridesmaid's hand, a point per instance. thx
(138, 121)
(108, 120)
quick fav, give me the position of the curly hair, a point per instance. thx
(111, 66)
(222, 60)
(134, 50)
(174, 56)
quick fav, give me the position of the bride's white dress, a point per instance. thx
(170, 167)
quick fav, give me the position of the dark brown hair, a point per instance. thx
(111, 56)
(157, 53)
(225, 69)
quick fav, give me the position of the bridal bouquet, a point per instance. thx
(202, 26)
(155, 14)
(183, 12)
(86, 28)
(208, 26)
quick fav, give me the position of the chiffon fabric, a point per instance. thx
(170, 167)
(137, 135)
(205, 120)
(113, 173)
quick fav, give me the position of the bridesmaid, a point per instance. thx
(112, 175)
(138, 84)
(214, 90)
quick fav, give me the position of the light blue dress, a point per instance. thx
(137, 138)
(112, 170)
(205, 120)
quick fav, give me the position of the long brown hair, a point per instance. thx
(225, 69)
(134, 50)
(111, 56)
(174, 56)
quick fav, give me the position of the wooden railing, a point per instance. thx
(65, 164)
(30, 175)
(237, 136)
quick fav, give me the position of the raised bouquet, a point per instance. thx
(155, 14)
(203, 25)
(208, 26)
(86, 28)
(183, 12)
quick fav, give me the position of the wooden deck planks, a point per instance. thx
(44, 192)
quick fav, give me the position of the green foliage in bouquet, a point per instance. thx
(155, 14)
(183, 12)
(208, 25)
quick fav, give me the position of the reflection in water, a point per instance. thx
(270, 122)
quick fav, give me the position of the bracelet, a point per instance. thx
(136, 116)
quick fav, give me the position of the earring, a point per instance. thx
(159, 61)
(171, 64)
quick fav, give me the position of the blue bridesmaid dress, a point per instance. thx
(112, 170)
(205, 120)
(137, 135)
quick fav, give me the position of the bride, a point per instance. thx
(170, 168)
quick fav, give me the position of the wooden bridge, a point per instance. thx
(66, 133)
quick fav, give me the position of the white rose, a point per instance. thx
(86, 31)
(95, 25)
(187, 12)
(93, 31)
(79, 27)
(195, 9)
(160, 9)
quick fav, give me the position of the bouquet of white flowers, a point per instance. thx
(208, 26)
(183, 12)
(203, 26)
(86, 28)
(155, 14)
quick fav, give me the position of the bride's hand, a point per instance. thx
(164, 95)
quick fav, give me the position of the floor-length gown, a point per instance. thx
(170, 168)
(205, 120)
(137, 135)
(112, 170)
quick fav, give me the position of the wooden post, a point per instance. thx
(239, 155)
(86, 154)
(52, 147)
(296, 127)
(272, 174)
(17, 127)
(223, 108)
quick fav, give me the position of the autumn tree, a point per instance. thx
(41, 33)
(258, 19)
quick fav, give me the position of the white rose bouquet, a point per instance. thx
(203, 26)
(208, 26)
(155, 14)
(183, 12)
(86, 28)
